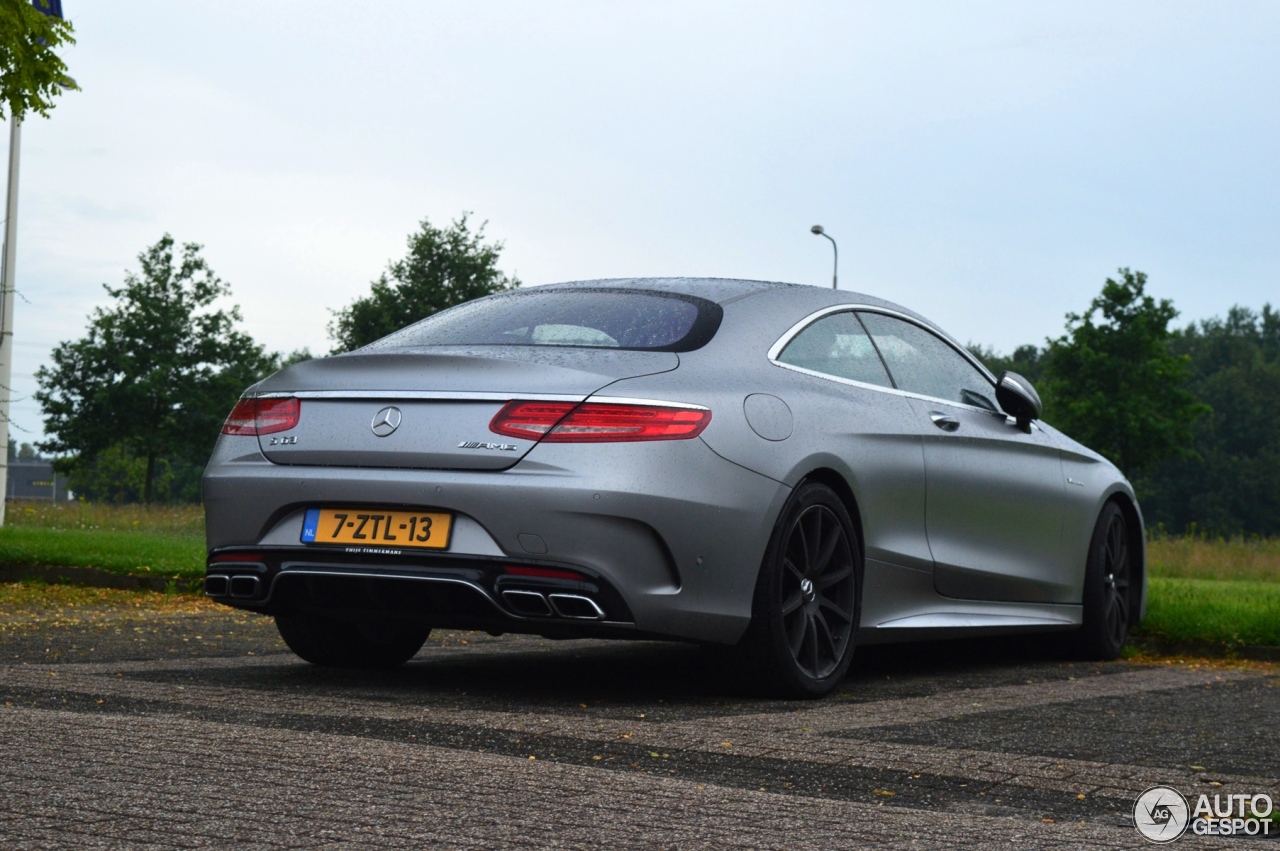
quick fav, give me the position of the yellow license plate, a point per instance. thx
(377, 527)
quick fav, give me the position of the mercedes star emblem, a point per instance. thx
(386, 421)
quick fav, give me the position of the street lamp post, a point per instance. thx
(6, 304)
(53, 8)
(835, 263)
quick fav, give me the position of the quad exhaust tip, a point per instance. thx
(532, 604)
(231, 586)
(576, 606)
(244, 586)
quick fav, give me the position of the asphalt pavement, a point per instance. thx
(199, 729)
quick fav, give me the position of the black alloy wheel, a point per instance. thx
(1107, 592)
(807, 599)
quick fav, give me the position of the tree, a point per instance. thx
(1026, 360)
(1233, 485)
(156, 373)
(31, 74)
(25, 452)
(444, 267)
(1113, 383)
(116, 475)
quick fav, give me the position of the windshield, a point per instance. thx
(593, 318)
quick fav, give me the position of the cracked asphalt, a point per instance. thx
(185, 725)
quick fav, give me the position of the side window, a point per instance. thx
(922, 363)
(837, 345)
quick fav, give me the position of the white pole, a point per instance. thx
(6, 305)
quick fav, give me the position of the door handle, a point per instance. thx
(944, 421)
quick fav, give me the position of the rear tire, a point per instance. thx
(808, 598)
(333, 643)
(1108, 580)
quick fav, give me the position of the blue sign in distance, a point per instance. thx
(52, 8)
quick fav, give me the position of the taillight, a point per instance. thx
(598, 422)
(530, 420)
(263, 416)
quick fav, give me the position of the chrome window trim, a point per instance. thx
(776, 349)
(893, 391)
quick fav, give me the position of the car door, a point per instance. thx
(851, 411)
(994, 508)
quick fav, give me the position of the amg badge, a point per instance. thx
(502, 447)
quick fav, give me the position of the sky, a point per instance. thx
(988, 164)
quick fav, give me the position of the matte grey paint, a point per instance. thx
(994, 514)
(965, 532)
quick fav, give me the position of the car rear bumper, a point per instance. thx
(468, 592)
(667, 535)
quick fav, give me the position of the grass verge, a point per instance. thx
(180, 520)
(40, 595)
(1194, 557)
(117, 552)
(28, 606)
(1232, 612)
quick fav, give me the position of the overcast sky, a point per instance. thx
(988, 164)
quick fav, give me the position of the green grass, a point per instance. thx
(1224, 611)
(1221, 590)
(130, 539)
(140, 554)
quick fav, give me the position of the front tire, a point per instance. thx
(333, 643)
(808, 598)
(1108, 580)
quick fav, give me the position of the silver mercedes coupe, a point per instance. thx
(785, 469)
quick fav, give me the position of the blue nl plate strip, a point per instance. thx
(309, 525)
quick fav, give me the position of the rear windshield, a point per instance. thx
(584, 318)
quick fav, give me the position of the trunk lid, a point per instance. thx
(431, 408)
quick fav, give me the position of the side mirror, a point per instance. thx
(1019, 399)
